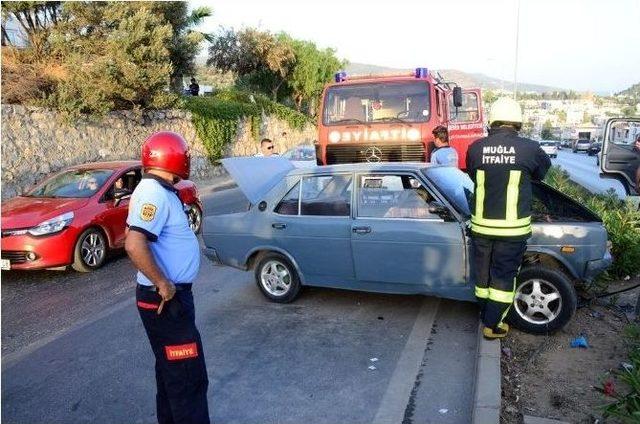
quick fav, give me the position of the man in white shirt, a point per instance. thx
(266, 148)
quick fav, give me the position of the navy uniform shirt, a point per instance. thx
(156, 211)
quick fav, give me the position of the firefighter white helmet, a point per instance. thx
(505, 109)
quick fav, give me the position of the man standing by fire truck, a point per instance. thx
(502, 167)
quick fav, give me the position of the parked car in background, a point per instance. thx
(581, 146)
(594, 148)
(550, 148)
(395, 228)
(77, 217)
(302, 156)
(559, 145)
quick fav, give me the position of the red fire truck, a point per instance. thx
(390, 118)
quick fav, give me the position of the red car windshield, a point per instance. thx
(377, 102)
(73, 183)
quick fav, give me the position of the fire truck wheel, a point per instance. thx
(277, 278)
(545, 300)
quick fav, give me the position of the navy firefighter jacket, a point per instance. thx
(502, 167)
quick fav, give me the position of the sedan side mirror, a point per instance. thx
(441, 210)
(120, 195)
(457, 96)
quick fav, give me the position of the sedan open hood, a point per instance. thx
(256, 176)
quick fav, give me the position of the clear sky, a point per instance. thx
(574, 44)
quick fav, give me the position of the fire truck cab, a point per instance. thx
(389, 118)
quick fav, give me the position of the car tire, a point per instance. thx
(277, 278)
(549, 291)
(90, 250)
(194, 216)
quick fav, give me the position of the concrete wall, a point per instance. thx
(36, 142)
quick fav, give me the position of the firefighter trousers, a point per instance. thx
(181, 372)
(494, 266)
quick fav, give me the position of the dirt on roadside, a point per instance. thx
(543, 376)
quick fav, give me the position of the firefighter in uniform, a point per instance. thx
(502, 167)
(167, 255)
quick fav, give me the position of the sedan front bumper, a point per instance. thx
(51, 251)
(593, 268)
(211, 254)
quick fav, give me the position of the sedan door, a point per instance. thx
(313, 224)
(403, 239)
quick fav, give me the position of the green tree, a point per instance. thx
(185, 40)
(113, 56)
(311, 70)
(562, 116)
(488, 97)
(261, 59)
(35, 18)
(630, 111)
(546, 133)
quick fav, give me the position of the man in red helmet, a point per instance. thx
(167, 255)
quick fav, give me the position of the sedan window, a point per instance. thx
(326, 195)
(321, 196)
(393, 196)
(73, 183)
(289, 203)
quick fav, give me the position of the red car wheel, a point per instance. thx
(90, 250)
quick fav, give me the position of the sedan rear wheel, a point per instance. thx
(545, 300)
(277, 278)
(90, 251)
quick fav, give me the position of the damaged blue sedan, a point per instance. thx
(392, 228)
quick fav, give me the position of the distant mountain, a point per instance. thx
(634, 90)
(464, 79)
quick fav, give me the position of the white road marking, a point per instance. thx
(395, 399)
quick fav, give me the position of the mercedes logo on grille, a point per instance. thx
(373, 154)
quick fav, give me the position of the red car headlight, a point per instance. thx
(52, 225)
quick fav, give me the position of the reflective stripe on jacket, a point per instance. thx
(502, 166)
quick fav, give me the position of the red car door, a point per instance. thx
(116, 206)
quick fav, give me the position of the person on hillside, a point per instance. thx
(443, 154)
(502, 167)
(194, 88)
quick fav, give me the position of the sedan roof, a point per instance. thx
(363, 167)
(256, 176)
(121, 164)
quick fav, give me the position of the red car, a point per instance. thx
(77, 216)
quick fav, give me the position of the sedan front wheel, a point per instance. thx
(545, 300)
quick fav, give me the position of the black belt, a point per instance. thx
(179, 287)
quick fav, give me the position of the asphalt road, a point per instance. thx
(74, 350)
(583, 169)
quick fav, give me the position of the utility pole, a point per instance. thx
(515, 68)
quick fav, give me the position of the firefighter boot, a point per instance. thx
(494, 333)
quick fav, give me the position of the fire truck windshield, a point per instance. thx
(400, 101)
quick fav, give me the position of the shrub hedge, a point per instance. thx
(625, 406)
(620, 218)
(216, 117)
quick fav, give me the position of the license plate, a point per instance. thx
(5, 264)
